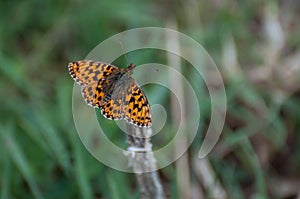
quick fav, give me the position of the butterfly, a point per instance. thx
(113, 90)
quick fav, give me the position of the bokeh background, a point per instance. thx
(255, 45)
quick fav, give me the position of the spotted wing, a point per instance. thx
(112, 109)
(86, 72)
(136, 108)
(93, 94)
(95, 78)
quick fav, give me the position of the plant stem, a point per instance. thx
(143, 163)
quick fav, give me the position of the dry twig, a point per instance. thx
(143, 162)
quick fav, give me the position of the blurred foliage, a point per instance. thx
(41, 155)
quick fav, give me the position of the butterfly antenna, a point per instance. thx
(122, 47)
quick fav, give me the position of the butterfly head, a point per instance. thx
(130, 68)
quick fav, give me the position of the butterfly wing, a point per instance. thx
(112, 109)
(93, 95)
(94, 77)
(86, 72)
(136, 108)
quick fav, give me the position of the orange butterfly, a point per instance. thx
(113, 90)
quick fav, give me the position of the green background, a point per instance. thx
(255, 44)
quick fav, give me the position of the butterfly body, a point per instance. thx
(116, 80)
(113, 90)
